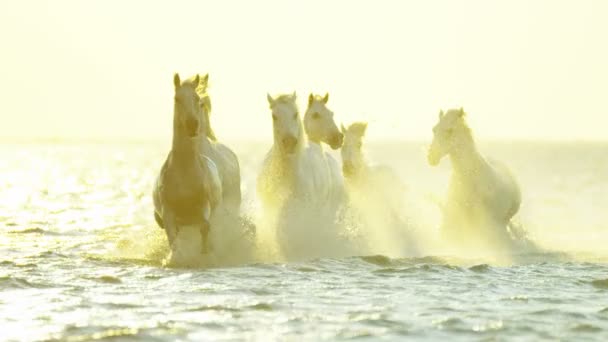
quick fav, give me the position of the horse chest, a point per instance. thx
(185, 191)
(319, 173)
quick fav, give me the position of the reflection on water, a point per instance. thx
(81, 257)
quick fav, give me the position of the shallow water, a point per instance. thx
(81, 257)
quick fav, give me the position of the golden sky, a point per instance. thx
(103, 69)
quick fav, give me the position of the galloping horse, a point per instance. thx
(375, 193)
(188, 188)
(280, 177)
(325, 172)
(483, 195)
(224, 158)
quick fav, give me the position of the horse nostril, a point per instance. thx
(336, 140)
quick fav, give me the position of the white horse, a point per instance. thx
(282, 184)
(325, 172)
(375, 193)
(225, 159)
(189, 188)
(358, 172)
(281, 175)
(483, 195)
(232, 234)
(295, 209)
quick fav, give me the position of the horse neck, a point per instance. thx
(365, 168)
(312, 137)
(466, 159)
(362, 173)
(184, 148)
(205, 143)
(316, 144)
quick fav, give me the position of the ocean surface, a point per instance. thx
(81, 257)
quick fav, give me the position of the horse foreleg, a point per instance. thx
(158, 220)
(170, 226)
(205, 237)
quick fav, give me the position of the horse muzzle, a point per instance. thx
(288, 144)
(433, 158)
(348, 169)
(336, 141)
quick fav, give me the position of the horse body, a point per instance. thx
(188, 189)
(319, 174)
(324, 170)
(375, 193)
(483, 196)
(282, 174)
(293, 187)
(224, 158)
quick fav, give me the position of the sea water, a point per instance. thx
(81, 257)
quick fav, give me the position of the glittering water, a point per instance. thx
(80, 258)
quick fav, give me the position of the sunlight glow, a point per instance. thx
(102, 69)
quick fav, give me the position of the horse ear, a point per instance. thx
(293, 95)
(461, 112)
(201, 88)
(270, 99)
(326, 98)
(195, 81)
(311, 98)
(441, 114)
(342, 128)
(176, 81)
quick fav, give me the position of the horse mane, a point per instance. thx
(201, 91)
(357, 128)
(284, 98)
(318, 98)
(301, 135)
(190, 82)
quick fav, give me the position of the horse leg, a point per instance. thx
(158, 220)
(170, 226)
(205, 237)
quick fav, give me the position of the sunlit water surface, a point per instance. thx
(80, 257)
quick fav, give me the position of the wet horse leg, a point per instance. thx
(170, 226)
(205, 237)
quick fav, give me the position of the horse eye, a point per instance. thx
(295, 115)
(359, 145)
(316, 116)
(449, 131)
(274, 117)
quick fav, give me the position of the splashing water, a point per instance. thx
(83, 259)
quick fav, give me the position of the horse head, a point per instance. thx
(319, 122)
(352, 148)
(186, 110)
(447, 134)
(286, 122)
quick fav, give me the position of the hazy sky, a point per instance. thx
(521, 69)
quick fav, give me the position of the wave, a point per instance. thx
(10, 283)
